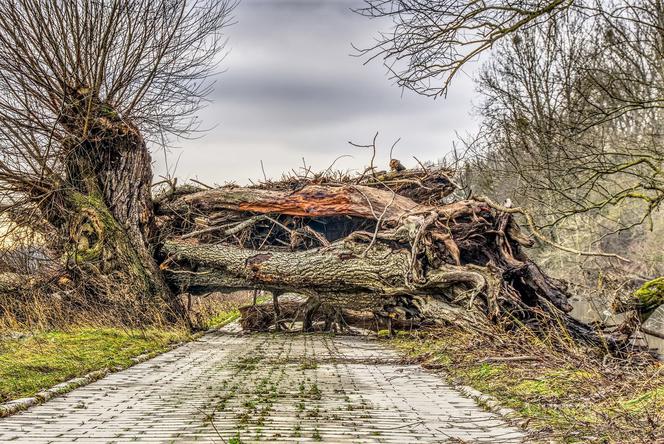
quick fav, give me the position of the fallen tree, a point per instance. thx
(386, 243)
(394, 247)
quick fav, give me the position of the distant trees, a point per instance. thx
(83, 85)
(573, 110)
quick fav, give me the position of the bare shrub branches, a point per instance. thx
(145, 62)
(571, 117)
(573, 93)
(431, 41)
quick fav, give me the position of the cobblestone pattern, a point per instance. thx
(229, 387)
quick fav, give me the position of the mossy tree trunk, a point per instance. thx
(104, 213)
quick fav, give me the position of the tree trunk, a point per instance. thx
(105, 216)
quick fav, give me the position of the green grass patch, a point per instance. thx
(222, 318)
(39, 361)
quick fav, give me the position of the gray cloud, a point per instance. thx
(292, 90)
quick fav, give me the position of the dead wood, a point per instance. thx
(396, 245)
(393, 244)
(308, 201)
(326, 317)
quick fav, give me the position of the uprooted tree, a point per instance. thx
(83, 85)
(391, 243)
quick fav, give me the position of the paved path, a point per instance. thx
(234, 388)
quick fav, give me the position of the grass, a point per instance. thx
(35, 361)
(44, 359)
(224, 317)
(566, 395)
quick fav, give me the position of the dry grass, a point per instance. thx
(34, 358)
(568, 394)
(42, 310)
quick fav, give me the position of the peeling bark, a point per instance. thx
(308, 201)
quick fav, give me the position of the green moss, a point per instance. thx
(97, 227)
(650, 295)
(541, 388)
(485, 371)
(487, 378)
(551, 385)
(40, 361)
(566, 418)
(102, 242)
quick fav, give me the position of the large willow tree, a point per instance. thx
(85, 85)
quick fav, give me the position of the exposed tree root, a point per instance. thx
(391, 244)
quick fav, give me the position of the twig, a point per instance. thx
(236, 229)
(315, 235)
(274, 221)
(202, 184)
(373, 156)
(393, 145)
(421, 165)
(267, 236)
(263, 170)
(380, 219)
(211, 416)
(368, 201)
(508, 359)
(335, 161)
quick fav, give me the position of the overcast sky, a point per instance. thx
(291, 89)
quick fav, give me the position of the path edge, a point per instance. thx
(14, 406)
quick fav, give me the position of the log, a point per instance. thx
(387, 243)
(345, 274)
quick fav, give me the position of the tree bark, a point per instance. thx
(105, 214)
(308, 201)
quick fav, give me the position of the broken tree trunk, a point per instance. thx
(362, 245)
